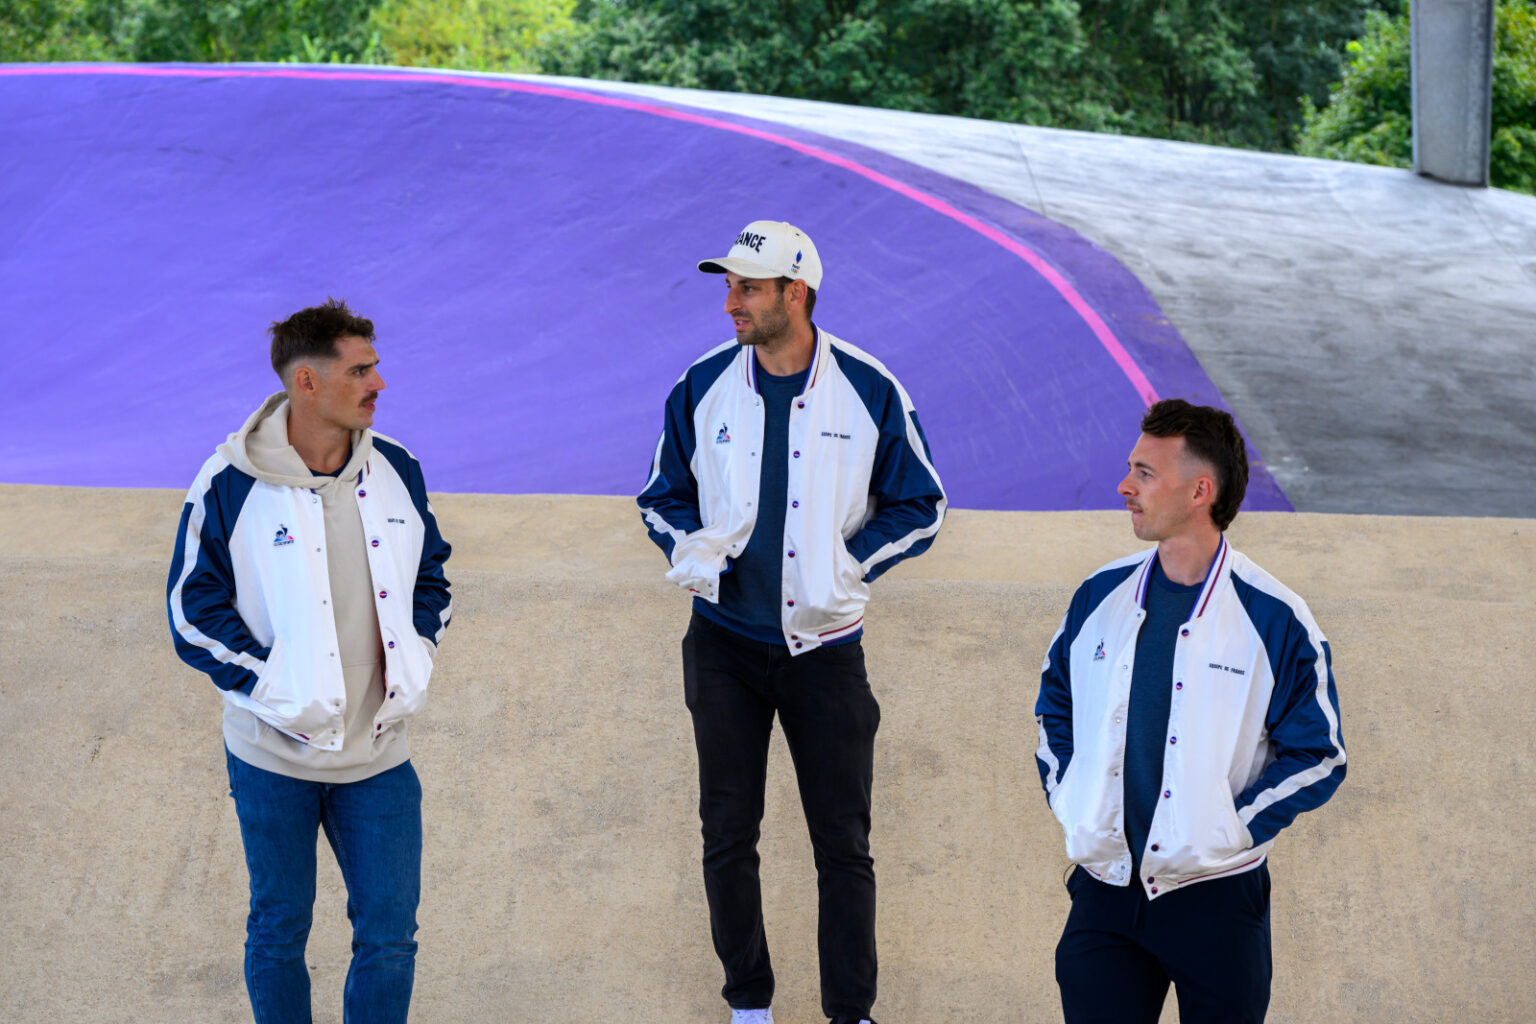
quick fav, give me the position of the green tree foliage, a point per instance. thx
(1512, 157)
(1012, 59)
(61, 30)
(1247, 73)
(253, 30)
(476, 35)
(1297, 52)
(1176, 67)
(1369, 116)
(1223, 71)
(483, 35)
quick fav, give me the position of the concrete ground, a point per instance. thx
(561, 841)
(1374, 331)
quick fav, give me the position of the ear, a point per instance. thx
(1205, 491)
(305, 381)
(794, 294)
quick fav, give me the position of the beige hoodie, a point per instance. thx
(261, 449)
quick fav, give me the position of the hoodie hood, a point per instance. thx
(261, 449)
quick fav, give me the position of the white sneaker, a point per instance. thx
(763, 1016)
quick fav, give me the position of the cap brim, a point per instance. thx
(739, 266)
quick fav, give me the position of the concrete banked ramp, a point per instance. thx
(561, 861)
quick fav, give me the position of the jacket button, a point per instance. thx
(383, 593)
(797, 455)
(1179, 685)
(791, 602)
(1154, 845)
(794, 504)
(374, 542)
(791, 554)
(1184, 632)
(390, 645)
(801, 403)
(1173, 739)
(362, 494)
(392, 694)
(1167, 793)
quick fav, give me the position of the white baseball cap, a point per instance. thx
(770, 248)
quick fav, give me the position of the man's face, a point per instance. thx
(348, 386)
(758, 307)
(1160, 489)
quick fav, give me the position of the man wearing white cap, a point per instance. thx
(790, 473)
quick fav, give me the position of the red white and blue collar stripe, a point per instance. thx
(818, 358)
(1212, 578)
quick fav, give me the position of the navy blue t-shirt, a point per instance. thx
(1146, 729)
(750, 592)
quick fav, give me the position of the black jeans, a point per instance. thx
(733, 687)
(1119, 951)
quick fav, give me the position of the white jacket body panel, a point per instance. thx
(701, 501)
(1222, 766)
(258, 548)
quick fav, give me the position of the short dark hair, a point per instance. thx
(312, 334)
(810, 293)
(1210, 435)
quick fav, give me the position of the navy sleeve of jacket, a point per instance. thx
(208, 632)
(669, 504)
(432, 604)
(909, 500)
(1302, 720)
(1053, 708)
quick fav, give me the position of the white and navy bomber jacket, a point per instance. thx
(1253, 728)
(247, 607)
(862, 491)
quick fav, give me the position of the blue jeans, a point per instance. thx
(374, 828)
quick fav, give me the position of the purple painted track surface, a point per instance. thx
(527, 255)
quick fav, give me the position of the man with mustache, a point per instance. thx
(307, 582)
(790, 473)
(1187, 713)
